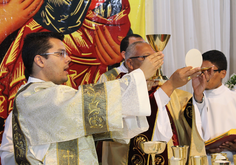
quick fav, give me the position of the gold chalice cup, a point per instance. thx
(199, 160)
(153, 148)
(180, 152)
(158, 42)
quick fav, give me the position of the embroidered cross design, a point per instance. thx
(68, 156)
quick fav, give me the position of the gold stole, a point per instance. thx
(19, 141)
(179, 100)
(111, 74)
(185, 123)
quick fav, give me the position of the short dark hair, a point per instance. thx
(125, 42)
(34, 44)
(217, 58)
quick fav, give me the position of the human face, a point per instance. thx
(56, 66)
(142, 49)
(217, 77)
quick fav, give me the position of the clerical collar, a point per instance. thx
(214, 92)
(123, 68)
(33, 79)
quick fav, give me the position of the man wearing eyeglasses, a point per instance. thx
(56, 124)
(166, 122)
(216, 103)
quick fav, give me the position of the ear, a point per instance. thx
(123, 54)
(39, 61)
(223, 74)
(129, 65)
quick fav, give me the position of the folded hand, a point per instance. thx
(15, 13)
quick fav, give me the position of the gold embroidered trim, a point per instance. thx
(94, 108)
(111, 74)
(139, 157)
(19, 141)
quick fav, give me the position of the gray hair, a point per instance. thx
(131, 50)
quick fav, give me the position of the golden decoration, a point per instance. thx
(94, 105)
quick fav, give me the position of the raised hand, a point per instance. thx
(107, 49)
(15, 13)
(182, 76)
(199, 83)
(179, 78)
(151, 64)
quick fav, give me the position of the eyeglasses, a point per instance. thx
(141, 58)
(62, 54)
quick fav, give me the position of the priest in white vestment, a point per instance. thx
(216, 103)
(55, 124)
